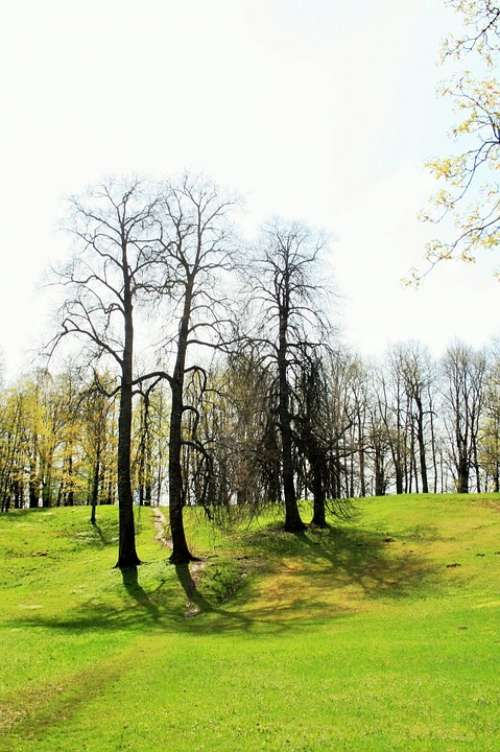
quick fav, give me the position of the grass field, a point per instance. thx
(379, 634)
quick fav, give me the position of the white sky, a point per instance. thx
(317, 110)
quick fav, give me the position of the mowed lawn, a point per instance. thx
(379, 634)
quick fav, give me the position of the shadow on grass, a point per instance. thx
(159, 609)
(95, 535)
(301, 573)
(105, 540)
(344, 556)
(131, 584)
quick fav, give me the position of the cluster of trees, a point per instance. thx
(276, 416)
(58, 438)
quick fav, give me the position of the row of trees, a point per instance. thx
(412, 425)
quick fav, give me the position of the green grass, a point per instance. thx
(356, 638)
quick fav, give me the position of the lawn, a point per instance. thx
(378, 634)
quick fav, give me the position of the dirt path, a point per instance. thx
(195, 568)
(160, 525)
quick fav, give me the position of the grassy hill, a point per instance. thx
(379, 634)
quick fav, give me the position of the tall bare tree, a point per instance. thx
(116, 233)
(198, 252)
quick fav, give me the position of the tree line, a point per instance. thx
(412, 425)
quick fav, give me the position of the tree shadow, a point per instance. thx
(161, 609)
(222, 620)
(342, 556)
(295, 584)
(102, 538)
(131, 584)
(188, 584)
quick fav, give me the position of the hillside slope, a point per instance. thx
(379, 634)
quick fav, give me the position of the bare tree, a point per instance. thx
(393, 412)
(463, 372)
(284, 287)
(117, 234)
(417, 377)
(323, 416)
(198, 250)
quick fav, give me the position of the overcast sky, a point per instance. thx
(317, 110)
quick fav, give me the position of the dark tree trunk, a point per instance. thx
(70, 496)
(433, 444)
(463, 475)
(293, 522)
(33, 484)
(95, 485)
(318, 489)
(399, 478)
(421, 444)
(362, 480)
(33, 494)
(379, 474)
(477, 469)
(16, 487)
(180, 551)
(46, 493)
(147, 453)
(127, 554)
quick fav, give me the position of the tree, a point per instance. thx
(282, 283)
(394, 414)
(311, 434)
(464, 372)
(489, 440)
(323, 414)
(416, 372)
(471, 196)
(97, 439)
(198, 249)
(116, 234)
(359, 389)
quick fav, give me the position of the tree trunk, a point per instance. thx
(463, 475)
(95, 485)
(421, 445)
(127, 554)
(180, 551)
(433, 444)
(293, 522)
(361, 455)
(318, 489)
(70, 496)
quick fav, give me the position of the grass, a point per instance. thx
(378, 634)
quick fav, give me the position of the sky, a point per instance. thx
(314, 110)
